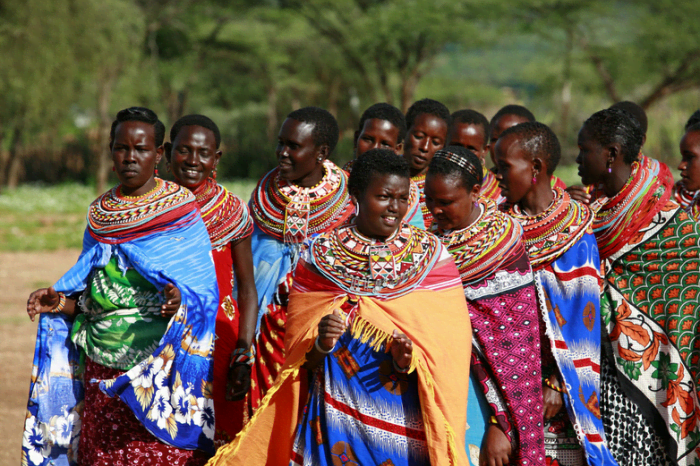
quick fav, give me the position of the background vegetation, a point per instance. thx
(67, 67)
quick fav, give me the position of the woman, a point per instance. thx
(649, 252)
(428, 122)
(363, 326)
(383, 126)
(689, 184)
(193, 156)
(565, 261)
(505, 118)
(505, 426)
(145, 249)
(305, 195)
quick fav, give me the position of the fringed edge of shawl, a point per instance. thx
(232, 448)
(449, 431)
(375, 337)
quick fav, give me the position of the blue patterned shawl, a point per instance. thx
(170, 392)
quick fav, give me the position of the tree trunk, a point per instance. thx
(272, 122)
(14, 162)
(103, 165)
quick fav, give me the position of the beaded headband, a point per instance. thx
(457, 160)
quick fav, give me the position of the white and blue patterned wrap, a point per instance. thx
(170, 392)
(570, 303)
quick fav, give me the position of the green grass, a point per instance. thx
(37, 217)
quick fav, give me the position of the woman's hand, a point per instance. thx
(579, 193)
(401, 349)
(238, 382)
(553, 400)
(172, 300)
(495, 448)
(42, 301)
(330, 329)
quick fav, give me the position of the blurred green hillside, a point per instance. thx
(67, 67)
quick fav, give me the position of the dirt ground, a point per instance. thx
(20, 274)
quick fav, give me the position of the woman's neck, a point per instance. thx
(615, 181)
(538, 199)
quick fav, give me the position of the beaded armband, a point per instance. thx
(242, 356)
(61, 303)
(552, 386)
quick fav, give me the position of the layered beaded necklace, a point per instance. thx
(290, 213)
(116, 218)
(366, 266)
(480, 248)
(622, 216)
(551, 233)
(225, 215)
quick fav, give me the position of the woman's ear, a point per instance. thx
(322, 153)
(354, 196)
(538, 165)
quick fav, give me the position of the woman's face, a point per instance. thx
(427, 135)
(194, 156)
(135, 156)
(690, 161)
(515, 169)
(592, 159)
(377, 134)
(382, 206)
(298, 157)
(500, 125)
(449, 201)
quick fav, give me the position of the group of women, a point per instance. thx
(412, 308)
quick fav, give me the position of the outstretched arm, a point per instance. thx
(46, 300)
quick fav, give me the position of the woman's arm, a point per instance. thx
(49, 300)
(239, 374)
(330, 329)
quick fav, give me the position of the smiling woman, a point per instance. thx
(122, 373)
(364, 329)
(306, 194)
(193, 156)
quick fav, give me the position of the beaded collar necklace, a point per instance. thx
(622, 216)
(365, 266)
(225, 215)
(290, 213)
(480, 248)
(552, 232)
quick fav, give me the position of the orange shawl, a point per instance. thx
(441, 357)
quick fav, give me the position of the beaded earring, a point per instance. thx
(155, 173)
(534, 178)
(213, 175)
(114, 168)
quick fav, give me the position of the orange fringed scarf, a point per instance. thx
(441, 338)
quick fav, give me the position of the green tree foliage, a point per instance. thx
(67, 67)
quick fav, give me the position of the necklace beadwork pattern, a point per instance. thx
(290, 213)
(622, 216)
(363, 266)
(419, 180)
(551, 233)
(225, 215)
(480, 248)
(112, 213)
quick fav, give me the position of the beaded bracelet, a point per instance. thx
(242, 356)
(399, 369)
(61, 303)
(321, 350)
(552, 386)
